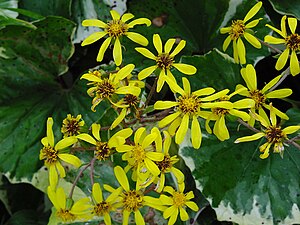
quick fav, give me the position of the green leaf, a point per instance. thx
(27, 13)
(5, 21)
(214, 69)
(8, 4)
(240, 186)
(286, 7)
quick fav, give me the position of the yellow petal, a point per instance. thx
(178, 48)
(164, 104)
(139, 21)
(241, 51)
(281, 61)
(71, 159)
(86, 137)
(196, 133)
(192, 206)
(128, 90)
(103, 48)
(50, 135)
(273, 40)
(276, 30)
(226, 43)
(125, 217)
(294, 64)
(148, 140)
(169, 45)
(61, 197)
(172, 210)
(119, 119)
(124, 133)
(160, 81)
(220, 129)
(250, 138)
(252, 23)
(139, 135)
(243, 115)
(174, 125)
(124, 148)
(271, 84)
(145, 52)
(97, 193)
(290, 129)
(93, 38)
(60, 169)
(121, 177)
(114, 14)
(66, 142)
(235, 51)
(185, 68)
(53, 177)
(252, 11)
(139, 219)
(157, 43)
(281, 93)
(216, 95)
(204, 91)
(168, 119)
(125, 71)
(152, 167)
(183, 214)
(222, 104)
(252, 40)
(137, 38)
(225, 30)
(266, 150)
(94, 22)
(174, 86)
(52, 197)
(181, 132)
(292, 22)
(244, 103)
(117, 52)
(146, 72)
(126, 16)
(250, 77)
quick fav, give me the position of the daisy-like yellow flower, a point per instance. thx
(274, 134)
(188, 106)
(167, 164)
(219, 114)
(141, 155)
(66, 210)
(53, 154)
(103, 149)
(261, 97)
(239, 29)
(71, 125)
(103, 207)
(164, 60)
(115, 29)
(292, 43)
(107, 87)
(177, 202)
(132, 200)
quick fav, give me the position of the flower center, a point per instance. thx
(49, 154)
(65, 215)
(189, 105)
(133, 200)
(101, 208)
(70, 126)
(274, 134)
(116, 28)
(258, 97)
(102, 150)
(293, 42)
(164, 61)
(131, 100)
(179, 199)
(220, 111)
(237, 29)
(138, 154)
(165, 164)
(105, 89)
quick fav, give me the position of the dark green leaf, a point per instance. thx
(287, 7)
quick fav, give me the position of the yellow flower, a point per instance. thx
(219, 114)
(188, 106)
(239, 29)
(274, 134)
(71, 126)
(261, 97)
(141, 155)
(108, 87)
(133, 200)
(52, 154)
(105, 149)
(66, 210)
(178, 202)
(292, 43)
(102, 208)
(164, 61)
(115, 29)
(166, 165)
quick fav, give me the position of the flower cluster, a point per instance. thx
(149, 159)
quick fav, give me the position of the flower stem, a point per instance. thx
(77, 178)
(285, 74)
(152, 90)
(269, 46)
